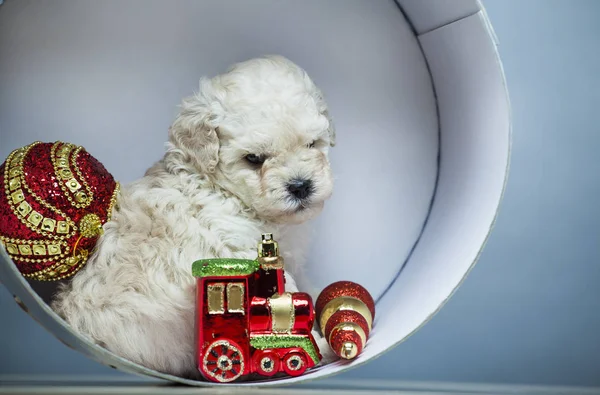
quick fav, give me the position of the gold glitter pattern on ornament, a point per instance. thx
(51, 249)
(14, 178)
(90, 226)
(30, 206)
(55, 272)
(63, 169)
(36, 247)
(344, 288)
(342, 303)
(113, 201)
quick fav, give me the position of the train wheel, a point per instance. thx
(294, 363)
(266, 362)
(223, 361)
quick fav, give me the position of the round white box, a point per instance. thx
(415, 87)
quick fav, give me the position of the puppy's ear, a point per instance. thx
(331, 128)
(194, 131)
(324, 111)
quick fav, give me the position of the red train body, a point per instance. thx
(245, 321)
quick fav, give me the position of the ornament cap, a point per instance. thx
(268, 253)
(268, 247)
(349, 350)
(274, 262)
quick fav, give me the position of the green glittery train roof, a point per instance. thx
(224, 267)
(262, 342)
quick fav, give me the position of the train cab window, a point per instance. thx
(215, 298)
(235, 298)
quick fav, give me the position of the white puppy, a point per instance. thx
(247, 154)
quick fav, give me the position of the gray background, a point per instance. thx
(108, 76)
(530, 310)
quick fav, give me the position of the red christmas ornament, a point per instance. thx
(56, 199)
(245, 321)
(345, 311)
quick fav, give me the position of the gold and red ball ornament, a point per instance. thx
(56, 199)
(345, 312)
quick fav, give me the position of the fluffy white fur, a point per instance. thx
(135, 296)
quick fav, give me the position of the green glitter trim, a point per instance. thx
(224, 267)
(262, 342)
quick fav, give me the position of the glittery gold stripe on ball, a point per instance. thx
(65, 171)
(345, 303)
(263, 342)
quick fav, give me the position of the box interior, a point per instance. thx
(419, 104)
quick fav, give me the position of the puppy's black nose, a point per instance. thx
(300, 188)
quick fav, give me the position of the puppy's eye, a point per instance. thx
(255, 159)
(312, 145)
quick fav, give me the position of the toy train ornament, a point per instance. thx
(245, 321)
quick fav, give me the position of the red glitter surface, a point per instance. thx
(343, 316)
(38, 171)
(339, 337)
(344, 288)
